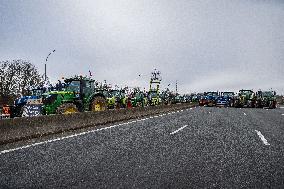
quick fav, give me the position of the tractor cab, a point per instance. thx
(81, 86)
(227, 94)
(246, 93)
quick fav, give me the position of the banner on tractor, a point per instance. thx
(31, 110)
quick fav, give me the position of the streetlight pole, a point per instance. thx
(46, 63)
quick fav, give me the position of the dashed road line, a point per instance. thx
(262, 138)
(245, 113)
(178, 130)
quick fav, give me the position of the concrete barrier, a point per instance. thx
(18, 129)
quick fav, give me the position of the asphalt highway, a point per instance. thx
(200, 147)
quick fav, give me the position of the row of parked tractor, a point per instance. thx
(79, 94)
(244, 98)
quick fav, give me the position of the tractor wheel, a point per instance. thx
(18, 111)
(236, 104)
(118, 105)
(139, 104)
(67, 108)
(98, 104)
(272, 104)
(232, 103)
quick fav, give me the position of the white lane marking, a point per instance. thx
(61, 138)
(178, 130)
(190, 108)
(75, 135)
(282, 114)
(245, 113)
(178, 111)
(282, 107)
(262, 138)
(181, 110)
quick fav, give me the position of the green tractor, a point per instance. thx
(80, 95)
(266, 99)
(177, 99)
(245, 98)
(116, 99)
(138, 98)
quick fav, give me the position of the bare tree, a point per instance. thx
(17, 76)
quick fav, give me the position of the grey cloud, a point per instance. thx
(199, 43)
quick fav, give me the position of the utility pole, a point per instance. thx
(176, 87)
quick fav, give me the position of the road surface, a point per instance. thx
(195, 148)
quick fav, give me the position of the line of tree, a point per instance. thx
(16, 78)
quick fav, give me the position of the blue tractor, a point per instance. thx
(31, 105)
(18, 110)
(211, 98)
(225, 99)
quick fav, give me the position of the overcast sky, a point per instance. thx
(204, 45)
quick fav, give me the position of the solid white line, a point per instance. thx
(61, 138)
(178, 130)
(262, 138)
(282, 114)
(245, 113)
